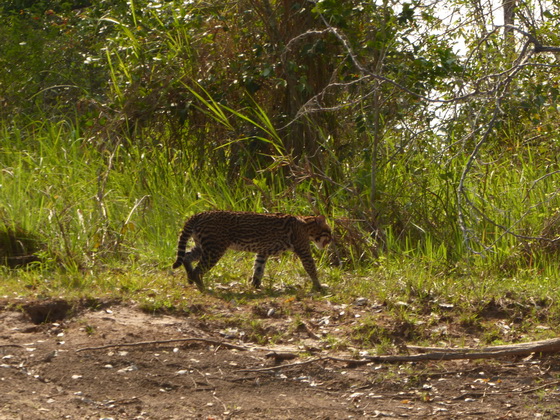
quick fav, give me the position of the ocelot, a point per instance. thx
(214, 232)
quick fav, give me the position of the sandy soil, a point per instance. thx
(56, 370)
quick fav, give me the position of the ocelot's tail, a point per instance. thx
(182, 244)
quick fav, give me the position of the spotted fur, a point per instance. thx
(214, 232)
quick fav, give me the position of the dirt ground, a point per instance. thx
(51, 367)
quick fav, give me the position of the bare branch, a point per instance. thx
(538, 47)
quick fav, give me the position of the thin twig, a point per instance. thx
(175, 340)
(527, 391)
(11, 345)
(307, 362)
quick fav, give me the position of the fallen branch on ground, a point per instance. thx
(543, 346)
(468, 353)
(436, 353)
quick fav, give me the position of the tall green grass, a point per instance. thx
(89, 201)
(91, 204)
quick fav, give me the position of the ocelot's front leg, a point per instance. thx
(304, 254)
(258, 270)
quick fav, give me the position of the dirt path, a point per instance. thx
(42, 376)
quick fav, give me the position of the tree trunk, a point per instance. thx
(509, 21)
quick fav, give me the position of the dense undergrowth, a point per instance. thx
(83, 204)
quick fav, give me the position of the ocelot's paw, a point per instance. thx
(199, 284)
(321, 288)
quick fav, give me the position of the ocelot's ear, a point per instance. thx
(320, 218)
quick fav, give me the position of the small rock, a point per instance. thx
(361, 301)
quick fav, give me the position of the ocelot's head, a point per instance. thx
(319, 232)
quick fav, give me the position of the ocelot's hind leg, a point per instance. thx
(258, 270)
(193, 255)
(208, 259)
